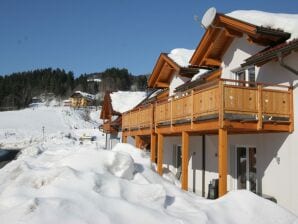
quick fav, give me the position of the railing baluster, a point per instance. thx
(260, 112)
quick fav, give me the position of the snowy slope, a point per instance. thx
(22, 128)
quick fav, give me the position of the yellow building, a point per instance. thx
(81, 99)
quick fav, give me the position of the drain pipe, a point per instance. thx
(203, 164)
(282, 64)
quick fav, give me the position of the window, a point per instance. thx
(246, 75)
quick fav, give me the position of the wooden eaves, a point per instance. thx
(164, 70)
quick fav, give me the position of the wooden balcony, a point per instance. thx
(239, 106)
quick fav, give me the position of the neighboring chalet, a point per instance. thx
(114, 104)
(230, 111)
(81, 99)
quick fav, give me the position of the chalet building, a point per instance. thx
(81, 99)
(229, 114)
(114, 104)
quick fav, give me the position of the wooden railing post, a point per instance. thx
(192, 108)
(155, 117)
(171, 111)
(260, 106)
(291, 128)
(139, 118)
(222, 161)
(159, 153)
(185, 154)
(129, 120)
(221, 104)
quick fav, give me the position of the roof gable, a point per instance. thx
(222, 32)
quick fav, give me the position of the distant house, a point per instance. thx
(82, 99)
(67, 103)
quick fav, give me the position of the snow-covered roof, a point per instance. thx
(181, 56)
(199, 74)
(86, 95)
(123, 101)
(286, 22)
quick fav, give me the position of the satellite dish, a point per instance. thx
(208, 17)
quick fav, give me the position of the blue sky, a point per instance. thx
(87, 36)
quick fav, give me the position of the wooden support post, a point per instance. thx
(222, 161)
(124, 139)
(153, 147)
(138, 141)
(260, 113)
(159, 153)
(221, 104)
(185, 154)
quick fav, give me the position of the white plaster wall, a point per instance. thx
(176, 81)
(275, 179)
(239, 50)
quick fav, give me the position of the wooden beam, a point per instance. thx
(222, 161)
(221, 104)
(201, 127)
(185, 154)
(159, 153)
(232, 33)
(212, 61)
(291, 128)
(153, 147)
(260, 113)
(162, 84)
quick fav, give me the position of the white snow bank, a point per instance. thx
(181, 56)
(123, 101)
(285, 22)
(64, 182)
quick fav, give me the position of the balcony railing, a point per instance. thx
(223, 100)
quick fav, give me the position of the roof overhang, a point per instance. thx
(271, 53)
(164, 70)
(224, 29)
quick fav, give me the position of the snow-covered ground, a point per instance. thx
(61, 180)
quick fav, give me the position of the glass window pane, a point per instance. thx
(241, 168)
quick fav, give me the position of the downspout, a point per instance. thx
(282, 64)
(203, 164)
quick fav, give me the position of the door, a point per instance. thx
(178, 160)
(246, 169)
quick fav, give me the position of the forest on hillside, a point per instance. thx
(18, 89)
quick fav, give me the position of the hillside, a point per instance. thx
(18, 89)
